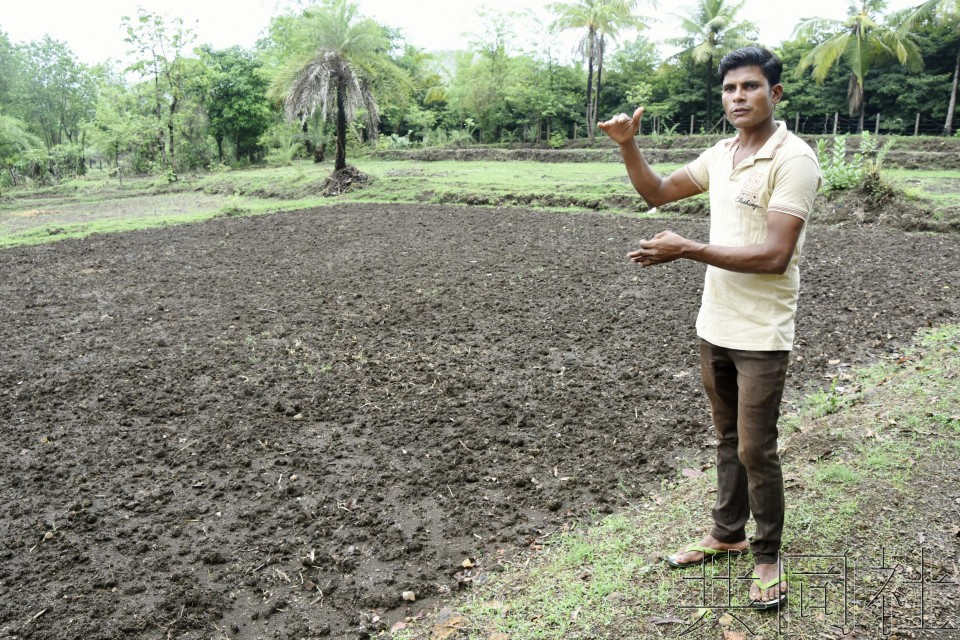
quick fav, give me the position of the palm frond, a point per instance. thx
(810, 27)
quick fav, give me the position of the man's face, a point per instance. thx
(748, 99)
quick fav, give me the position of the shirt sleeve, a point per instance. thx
(699, 170)
(795, 187)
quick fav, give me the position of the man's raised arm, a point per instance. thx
(654, 189)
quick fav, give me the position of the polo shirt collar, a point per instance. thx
(769, 147)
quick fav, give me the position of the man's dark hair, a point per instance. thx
(753, 57)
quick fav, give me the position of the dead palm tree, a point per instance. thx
(858, 43)
(712, 30)
(602, 19)
(339, 59)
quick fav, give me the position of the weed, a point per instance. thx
(837, 473)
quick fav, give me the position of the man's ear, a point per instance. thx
(776, 92)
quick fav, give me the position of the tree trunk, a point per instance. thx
(219, 148)
(83, 153)
(710, 89)
(306, 141)
(948, 124)
(116, 163)
(170, 127)
(590, 86)
(341, 160)
(596, 97)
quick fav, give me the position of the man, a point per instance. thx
(762, 185)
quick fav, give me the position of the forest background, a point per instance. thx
(177, 105)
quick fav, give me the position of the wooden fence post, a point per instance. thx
(691, 124)
(796, 123)
(916, 127)
(876, 127)
(836, 121)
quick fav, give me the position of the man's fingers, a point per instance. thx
(637, 116)
(618, 119)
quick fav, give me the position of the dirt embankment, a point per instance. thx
(907, 153)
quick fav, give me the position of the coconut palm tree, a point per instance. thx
(602, 19)
(337, 58)
(948, 11)
(712, 30)
(859, 42)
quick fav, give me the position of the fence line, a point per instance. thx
(821, 124)
(836, 124)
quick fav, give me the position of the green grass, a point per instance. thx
(100, 204)
(941, 187)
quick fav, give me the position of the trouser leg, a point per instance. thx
(745, 389)
(732, 507)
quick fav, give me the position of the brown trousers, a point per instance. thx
(745, 388)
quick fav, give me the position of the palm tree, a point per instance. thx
(602, 19)
(337, 58)
(949, 11)
(712, 31)
(860, 41)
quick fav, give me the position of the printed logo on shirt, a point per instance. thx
(750, 192)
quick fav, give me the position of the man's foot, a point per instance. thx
(769, 587)
(709, 547)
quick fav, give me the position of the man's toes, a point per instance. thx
(772, 593)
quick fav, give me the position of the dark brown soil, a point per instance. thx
(272, 427)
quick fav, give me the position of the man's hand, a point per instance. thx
(622, 128)
(664, 247)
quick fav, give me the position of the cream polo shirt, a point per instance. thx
(749, 311)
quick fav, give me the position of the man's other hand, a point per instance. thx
(664, 247)
(622, 128)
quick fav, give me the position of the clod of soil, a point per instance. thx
(276, 426)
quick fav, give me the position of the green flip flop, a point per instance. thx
(709, 555)
(764, 605)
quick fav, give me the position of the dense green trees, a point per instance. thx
(173, 107)
(159, 51)
(858, 43)
(599, 21)
(236, 102)
(946, 14)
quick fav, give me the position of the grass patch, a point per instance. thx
(97, 202)
(864, 487)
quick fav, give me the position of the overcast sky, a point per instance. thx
(93, 29)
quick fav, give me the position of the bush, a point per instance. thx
(67, 161)
(460, 138)
(862, 170)
(435, 137)
(557, 140)
(838, 173)
(393, 141)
